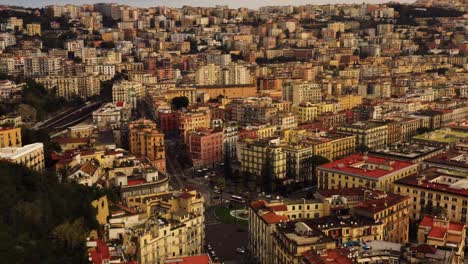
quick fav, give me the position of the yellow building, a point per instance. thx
(102, 208)
(31, 156)
(265, 131)
(34, 29)
(193, 120)
(189, 92)
(348, 101)
(10, 137)
(435, 190)
(363, 171)
(175, 227)
(257, 155)
(264, 216)
(146, 140)
(439, 232)
(392, 210)
(291, 239)
(368, 134)
(83, 86)
(305, 112)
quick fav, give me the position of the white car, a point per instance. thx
(240, 250)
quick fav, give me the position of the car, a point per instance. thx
(216, 191)
(240, 250)
(216, 197)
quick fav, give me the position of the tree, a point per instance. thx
(107, 45)
(29, 136)
(423, 130)
(268, 176)
(43, 220)
(315, 161)
(180, 102)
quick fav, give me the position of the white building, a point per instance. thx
(31, 156)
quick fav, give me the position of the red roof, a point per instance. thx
(99, 253)
(349, 166)
(438, 232)
(454, 226)
(280, 207)
(257, 204)
(119, 104)
(272, 218)
(200, 259)
(136, 182)
(427, 221)
(186, 195)
(426, 249)
(331, 256)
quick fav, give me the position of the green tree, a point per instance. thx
(180, 102)
(423, 130)
(268, 177)
(315, 161)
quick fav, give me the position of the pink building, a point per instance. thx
(205, 146)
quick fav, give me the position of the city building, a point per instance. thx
(368, 134)
(436, 191)
(438, 232)
(34, 29)
(147, 141)
(264, 217)
(206, 147)
(31, 156)
(174, 228)
(129, 92)
(263, 156)
(363, 171)
(10, 137)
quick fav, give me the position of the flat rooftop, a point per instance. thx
(445, 135)
(405, 151)
(440, 180)
(366, 166)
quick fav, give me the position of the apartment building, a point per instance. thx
(129, 92)
(205, 147)
(31, 156)
(368, 134)
(10, 137)
(41, 66)
(189, 121)
(83, 86)
(363, 171)
(435, 190)
(302, 92)
(174, 228)
(392, 211)
(439, 232)
(111, 114)
(260, 156)
(147, 141)
(33, 29)
(265, 215)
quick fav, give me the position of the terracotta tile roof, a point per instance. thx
(256, 205)
(438, 232)
(100, 253)
(277, 208)
(272, 218)
(186, 195)
(88, 168)
(427, 221)
(426, 249)
(201, 259)
(332, 256)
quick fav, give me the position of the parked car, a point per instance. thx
(240, 250)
